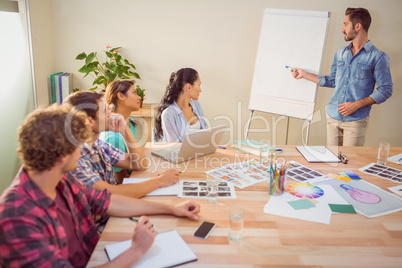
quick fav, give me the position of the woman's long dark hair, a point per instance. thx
(176, 83)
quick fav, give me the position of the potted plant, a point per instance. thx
(141, 93)
(113, 67)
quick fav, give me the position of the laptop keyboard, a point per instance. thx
(169, 154)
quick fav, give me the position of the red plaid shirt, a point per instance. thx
(30, 233)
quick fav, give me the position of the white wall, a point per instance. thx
(42, 46)
(218, 38)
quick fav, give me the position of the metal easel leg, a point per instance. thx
(287, 130)
(307, 132)
(249, 122)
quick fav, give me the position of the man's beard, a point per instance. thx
(351, 35)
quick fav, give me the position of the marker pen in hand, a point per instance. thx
(136, 219)
(290, 67)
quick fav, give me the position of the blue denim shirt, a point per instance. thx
(354, 78)
(175, 125)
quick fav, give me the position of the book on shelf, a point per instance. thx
(54, 94)
(61, 85)
(66, 85)
(60, 82)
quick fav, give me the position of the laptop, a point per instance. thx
(195, 144)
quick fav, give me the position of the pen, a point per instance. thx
(136, 219)
(221, 147)
(290, 67)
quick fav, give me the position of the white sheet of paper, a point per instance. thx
(169, 190)
(278, 205)
(168, 249)
(319, 154)
(396, 189)
(395, 158)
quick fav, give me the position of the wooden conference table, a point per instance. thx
(269, 240)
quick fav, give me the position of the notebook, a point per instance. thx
(195, 144)
(168, 249)
(318, 154)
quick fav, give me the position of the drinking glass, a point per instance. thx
(236, 222)
(383, 151)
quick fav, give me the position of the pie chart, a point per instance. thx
(305, 190)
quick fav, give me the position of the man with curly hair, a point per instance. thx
(46, 216)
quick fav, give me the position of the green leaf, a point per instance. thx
(110, 76)
(86, 69)
(140, 92)
(112, 66)
(90, 58)
(128, 63)
(121, 70)
(92, 89)
(113, 49)
(99, 80)
(109, 55)
(119, 59)
(136, 75)
(81, 56)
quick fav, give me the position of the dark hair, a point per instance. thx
(359, 15)
(86, 101)
(176, 83)
(114, 88)
(50, 134)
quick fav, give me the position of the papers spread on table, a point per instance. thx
(302, 173)
(252, 147)
(382, 171)
(396, 159)
(367, 199)
(169, 190)
(396, 189)
(247, 173)
(321, 212)
(198, 189)
(317, 154)
(168, 249)
(241, 174)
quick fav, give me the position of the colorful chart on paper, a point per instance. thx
(305, 190)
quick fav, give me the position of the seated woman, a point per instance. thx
(179, 111)
(121, 97)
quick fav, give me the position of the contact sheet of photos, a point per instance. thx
(302, 173)
(241, 174)
(384, 172)
(198, 189)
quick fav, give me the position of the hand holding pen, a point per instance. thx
(144, 235)
(296, 72)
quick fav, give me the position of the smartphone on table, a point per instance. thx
(204, 229)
